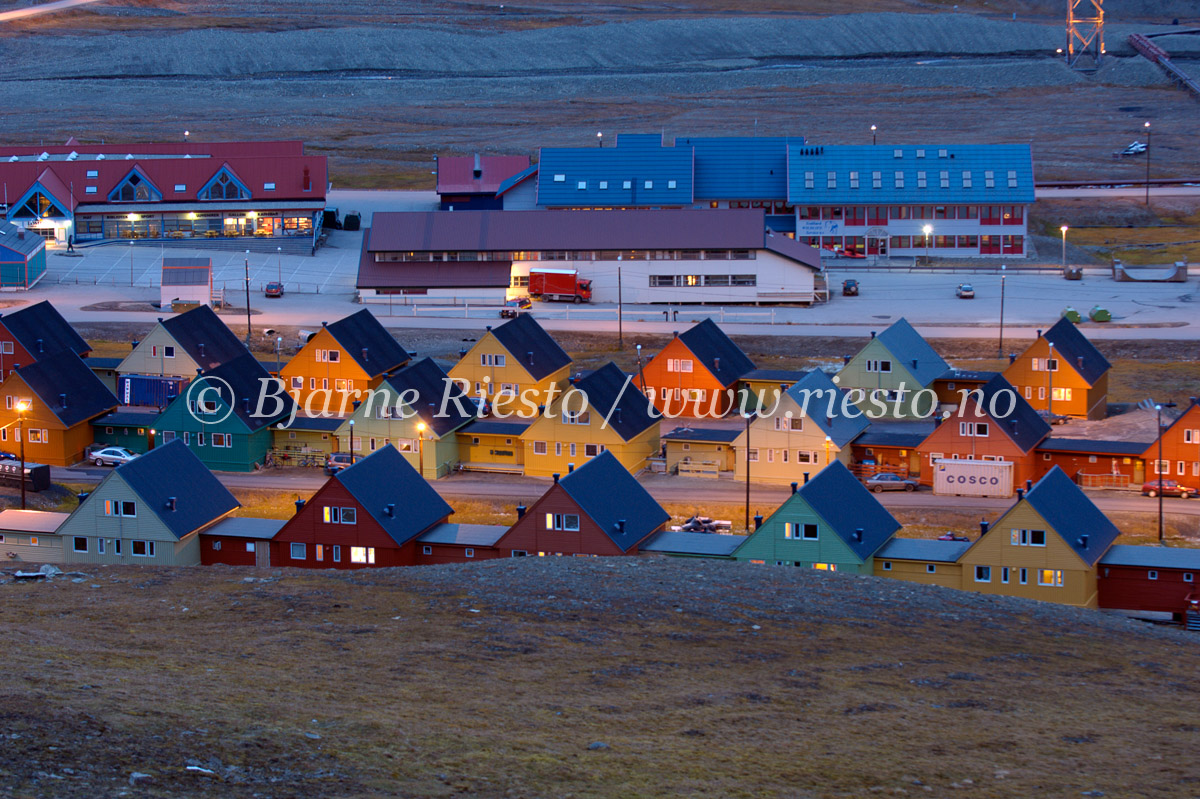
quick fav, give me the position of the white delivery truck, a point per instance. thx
(969, 478)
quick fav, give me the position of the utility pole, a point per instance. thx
(247, 299)
(620, 310)
(746, 413)
(1000, 351)
(1148, 135)
(1158, 468)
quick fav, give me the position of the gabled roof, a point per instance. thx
(173, 470)
(17, 239)
(716, 435)
(1193, 407)
(716, 352)
(456, 173)
(431, 385)
(1093, 446)
(785, 376)
(846, 505)
(882, 434)
(247, 527)
(740, 167)
(817, 395)
(530, 345)
(495, 427)
(1065, 507)
(907, 345)
(1149, 557)
(712, 545)
(384, 478)
(923, 550)
(1024, 426)
(517, 179)
(471, 535)
(41, 322)
(68, 388)
(1072, 346)
(607, 493)
(128, 416)
(204, 337)
(638, 171)
(611, 395)
(243, 376)
(367, 341)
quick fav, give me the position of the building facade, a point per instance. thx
(1062, 373)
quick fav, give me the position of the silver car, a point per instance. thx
(112, 456)
(887, 481)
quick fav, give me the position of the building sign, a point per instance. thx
(818, 227)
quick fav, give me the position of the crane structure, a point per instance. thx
(1085, 33)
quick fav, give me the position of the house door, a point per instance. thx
(1139, 471)
(262, 553)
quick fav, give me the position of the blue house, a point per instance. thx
(22, 257)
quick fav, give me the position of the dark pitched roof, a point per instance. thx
(846, 505)
(362, 331)
(712, 545)
(812, 393)
(385, 478)
(716, 352)
(787, 376)
(922, 549)
(246, 527)
(495, 427)
(880, 436)
(128, 416)
(611, 395)
(323, 424)
(716, 435)
(65, 373)
(607, 493)
(433, 388)
(471, 535)
(245, 376)
(1024, 426)
(1072, 345)
(42, 322)
(966, 375)
(173, 470)
(1067, 509)
(907, 345)
(96, 364)
(200, 329)
(529, 344)
(1093, 447)
(456, 173)
(1149, 557)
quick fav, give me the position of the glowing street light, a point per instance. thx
(421, 447)
(873, 129)
(1147, 163)
(600, 137)
(927, 230)
(1064, 230)
(22, 407)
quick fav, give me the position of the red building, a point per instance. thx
(34, 332)
(369, 514)
(695, 374)
(598, 509)
(460, 543)
(239, 541)
(1180, 449)
(466, 181)
(1151, 582)
(1094, 464)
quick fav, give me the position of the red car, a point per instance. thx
(1168, 488)
(274, 289)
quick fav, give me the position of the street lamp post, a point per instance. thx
(1000, 349)
(150, 442)
(927, 230)
(1158, 467)
(280, 251)
(248, 299)
(1050, 381)
(278, 350)
(1064, 230)
(1148, 133)
(873, 129)
(132, 218)
(746, 414)
(600, 137)
(421, 447)
(351, 443)
(22, 406)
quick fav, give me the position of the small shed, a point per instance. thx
(22, 257)
(186, 281)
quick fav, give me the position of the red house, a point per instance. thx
(598, 509)
(32, 333)
(985, 429)
(1150, 582)
(694, 375)
(1180, 450)
(1094, 463)
(239, 541)
(369, 514)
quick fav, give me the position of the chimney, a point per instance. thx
(520, 512)
(201, 347)
(937, 421)
(872, 334)
(170, 503)
(983, 527)
(160, 319)
(570, 468)
(1012, 357)
(364, 354)
(716, 364)
(462, 353)
(299, 505)
(1079, 362)
(1020, 494)
(556, 476)
(199, 371)
(914, 363)
(324, 324)
(796, 486)
(39, 346)
(389, 510)
(828, 420)
(758, 520)
(620, 525)
(354, 405)
(489, 328)
(1028, 485)
(845, 360)
(133, 344)
(1039, 335)
(1083, 539)
(858, 534)
(1012, 423)
(246, 405)
(62, 400)
(618, 420)
(806, 478)
(675, 333)
(529, 355)
(478, 170)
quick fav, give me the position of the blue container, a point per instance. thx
(148, 390)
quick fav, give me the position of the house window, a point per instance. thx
(168, 352)
(37, 436)
(752, 455)
(809, 532)
(1028, 538)
(884, 366)
(1024, 576)
(557, 449)
(298, 383)
(1150, 575)
(488, 359)
(592, 450)
(141, 549)
(683, 365)
(362, 555)
(887, 565)
(973, 429)
(99, 545)
(572, 446)
(983, 574)
(426, 550)
(562, 521)
(1050, 577)
(1004, 575)
(268, 187)
(297, 552)
(539, 448)
(337, 553)
(320, 551)
(519, 553)
(930, 568)
(470, 553)
(79, 544)
(825, 567)
(1187, 577)
(113, 507)
(1062, 393)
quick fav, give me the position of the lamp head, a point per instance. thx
(23, 405)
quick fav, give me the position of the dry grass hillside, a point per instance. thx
(584, 678)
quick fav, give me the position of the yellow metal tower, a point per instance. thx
(1085, 34)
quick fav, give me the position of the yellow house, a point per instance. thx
(706, 450)
(922, 561)
(1044, 547)
(487, 445)
(519, 360)
(809, 426)
(603, 412)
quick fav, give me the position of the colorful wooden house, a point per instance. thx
(993, 424)
(1094, 463)
(602, 412)
(702, 451)
(922, 561)
(352, 354)
(149, 511)
(492, 445)
(239, 541)
(306, 437)
(369, 514)
(22, 257)
(810, 427)
(763, 386)
(597, 509)
(31, 333)
(951, 386)
(459, 543)
(1145, 581)
(418, 411)
(31, 536)
(1062, 373)
(831, 523)
(1180, 449)
(183, 345)
(892, 372)
(1045, 546)
(131, 428)
(517, 359)
(220, 419)
(696, 375)
(60, 397)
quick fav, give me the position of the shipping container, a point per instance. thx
(973, 478)
(37, 475)
(149, 390)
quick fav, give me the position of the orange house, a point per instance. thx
(348, 356)
(985, 429)
(1062, 372)
(695, 374)
(1180, 450)
(51, 404)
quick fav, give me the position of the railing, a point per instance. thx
(1103, 480)
(710, 469)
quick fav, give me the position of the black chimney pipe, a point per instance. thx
(758, 520)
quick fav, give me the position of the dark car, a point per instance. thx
(8, 456)
(337, 461)
(514, 307)
(886, 481)
(274, 289)
(849, 288)
(1168, 488)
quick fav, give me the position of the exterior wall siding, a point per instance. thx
(1130, 588)
(855, 375)
(63, 446)
(1178, 451)
(947, 441)
(305, 366)
(670, 391)
(141, 361)
(479, 379)
(724, 455)
(231, 552)
(1086, 402)
(947, 575)
(19, 547)
(771, 443)
(1075, 464)
(246, 449)
(530, 535)
(455, 553)
(769, 544)
(437, 456)
(559, 439)
(507, 450)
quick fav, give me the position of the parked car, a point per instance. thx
(965, 291)
(514, 307)
(849, 288)
(1168, 488)
(952, 537)
(886, 481)
(112, 456)
(337, 461)
(8, 456)
(274, 289)
(1053, 418)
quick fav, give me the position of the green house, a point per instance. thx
(898, 359)
(131, 429)
(833, 523)
(218, 417)
(417, 410)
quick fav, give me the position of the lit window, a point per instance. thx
(362, 555)
(1050, 577)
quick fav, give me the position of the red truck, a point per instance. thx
(559, 284)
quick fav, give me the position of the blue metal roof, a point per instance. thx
(913, 352)
(520, 177)
(712, 545)
(636, 172)
(923, 550)
(740, 167)
(1151, 557)
(963, 167)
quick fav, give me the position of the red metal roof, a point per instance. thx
(456, 174)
